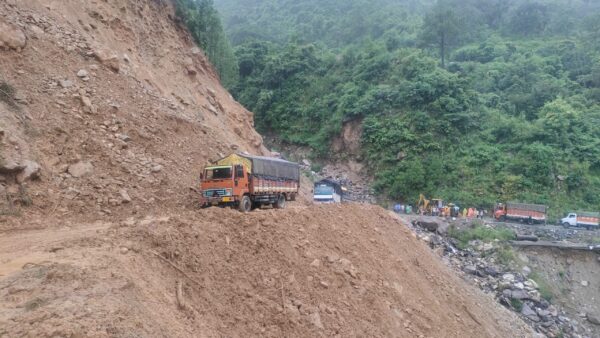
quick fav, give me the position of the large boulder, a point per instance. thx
(81, 169)
(30, 172)
(516, 294)
(593, 319)
(427, 225)
(529, 313)
(11, 37)
(10, 166)
(109, 59)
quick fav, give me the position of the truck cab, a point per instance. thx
(328, 191)
(224, 184)
(500, 212)
(570, 220)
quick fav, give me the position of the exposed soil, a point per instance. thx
(307, 271)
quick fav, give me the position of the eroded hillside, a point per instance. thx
(113, 104)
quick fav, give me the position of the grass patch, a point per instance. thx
(516, 304)
(24, 196)
(482, 233)
(7, 94)
(543, 286)
(506, 256)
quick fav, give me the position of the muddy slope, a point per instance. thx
(115, 106)
(319, 271)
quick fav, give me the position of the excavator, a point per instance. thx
(423, 204)
(429, 207)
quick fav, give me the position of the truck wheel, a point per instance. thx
(280, 204)
(565, 224)
(245, 204)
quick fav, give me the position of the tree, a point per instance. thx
(591, 29)
(204, 24)
(441, 28)
(530, 18)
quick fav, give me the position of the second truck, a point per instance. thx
(246, 182)
(521, 212)
(588, 220)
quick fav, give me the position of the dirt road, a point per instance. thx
(21, 248)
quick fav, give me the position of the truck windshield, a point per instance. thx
(323, 190)
(218, 173)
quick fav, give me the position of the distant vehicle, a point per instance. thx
(328, 191)
(246, 182)
(431, 207)
(588, 220)
(521, 212)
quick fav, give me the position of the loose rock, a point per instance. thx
(593, 319)
(529, 313)
(81, 169)
(10, 167)
(108, 59)
(82, 73)
(30, 172)
(66, 83)
(125, 198)
(11, 37)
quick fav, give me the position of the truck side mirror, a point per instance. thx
(201, 176)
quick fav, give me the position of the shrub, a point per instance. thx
(482, 233)
(7, 94)
(543, 286)
(516, 304)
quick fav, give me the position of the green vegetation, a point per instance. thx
(7, 94)
(506, 256)
(543, 286)
(516, 304)
(482, 233)
(473, 101)
(204, 23)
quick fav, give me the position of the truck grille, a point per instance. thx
(217, 192)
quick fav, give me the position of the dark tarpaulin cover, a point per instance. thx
(274, 167)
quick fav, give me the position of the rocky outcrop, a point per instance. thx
(509, 285)
(11, 37)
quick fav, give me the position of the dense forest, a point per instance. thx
(474, 101)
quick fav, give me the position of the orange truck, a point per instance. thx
(521, 212)
(247, 182)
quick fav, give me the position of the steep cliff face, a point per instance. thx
(108, 108)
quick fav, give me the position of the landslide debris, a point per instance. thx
(346, 271)
(98, 98)
(114, 110)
